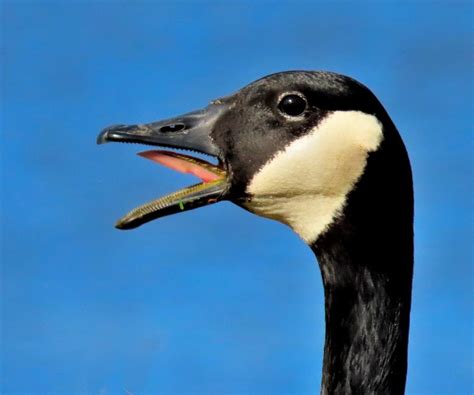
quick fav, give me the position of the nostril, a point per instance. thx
(174, 127)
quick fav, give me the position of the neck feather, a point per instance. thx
(367, 318)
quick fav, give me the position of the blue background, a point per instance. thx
(212, 301)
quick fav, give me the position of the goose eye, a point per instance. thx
(292, 105)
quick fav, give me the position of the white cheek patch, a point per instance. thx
(306, 185)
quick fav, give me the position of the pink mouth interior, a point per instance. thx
(174, 161)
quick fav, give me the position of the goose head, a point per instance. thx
(292, 146)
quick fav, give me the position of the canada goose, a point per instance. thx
(317, 152)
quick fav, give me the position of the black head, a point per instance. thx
(261, 121)
(291, 146)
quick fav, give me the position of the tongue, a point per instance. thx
(174, 161)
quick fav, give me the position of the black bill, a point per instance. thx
(191, 131)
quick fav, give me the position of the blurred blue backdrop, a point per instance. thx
(213, 301)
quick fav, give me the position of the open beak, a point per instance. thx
(191, 132)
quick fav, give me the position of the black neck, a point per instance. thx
(366, 261)
(367, 317)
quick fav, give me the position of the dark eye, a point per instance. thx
(292, 105)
